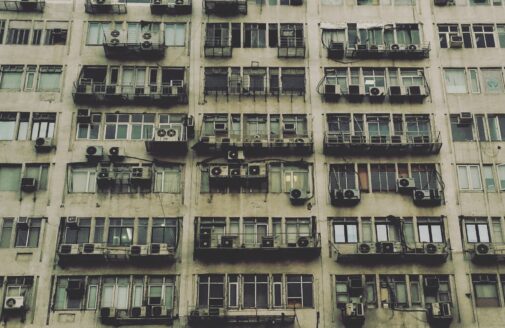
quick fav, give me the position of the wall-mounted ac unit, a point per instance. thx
(366, 248)
(84, 116)
(219, 171)
(28, 184)
(90, 248)
(138, 312)
(68, 249)
(484, 249)
(141, 176)
(455, 41)
(345, 196)
(235, 155)
(107, 312)
(388, 247)
(289, 128)
(298, 196)
(405, 184)
(44, 145)
(257, 170)
(220, 127)
(94, 153)
(116, 153)
(14, 303)
(426, 197)
(116, 38)
(376, 92)
(465, 118)
(138, 250)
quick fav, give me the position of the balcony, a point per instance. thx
(86, 91)
(291, 47)
(92, 254)
(218, 48)
(105, 6)
(388, 51)
(392, 252)
(151, 46)
(211, 246)
(336, 143)
(356, 93)
(486, 253)
(172, 138)
(171, 7)
(220, 317)
(225, 7)
(137, 315)
(22, 5)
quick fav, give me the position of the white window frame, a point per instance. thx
(472, 184)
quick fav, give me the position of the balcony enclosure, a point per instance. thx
(225, 7)
(115, 85)
(256, 238)
(291, 41)
(171, 7)
(22, 5)
(381, 133)
(105, 6)
(140, 41)
(256, 133)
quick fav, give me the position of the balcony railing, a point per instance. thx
(391, 251)
(388, 50)
(105, 6)
(22, 5)
(152, 48)
(218, 47)
(409, 143)
(203, 317)
(137, 315)
(225, 7)
(209, 245)
(486, 253)
(291, 47)
(91, 254)
(254, 85)
(175, 7)
(257, 144)
(86, 91)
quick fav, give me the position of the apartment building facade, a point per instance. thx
(252, 163)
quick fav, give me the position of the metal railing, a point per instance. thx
(129, 91)
(407, 138)
(217, 42)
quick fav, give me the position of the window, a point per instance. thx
(56, 34)
(8, 125)
(430, 230)
(397, 290)
(129, 126)
(161, 291)
(255, 291)
(96, 33)
(91, 130)
(49, 78)
(28, 235)
(82, 179)
(120, 232)
(92, 293)
(386, 230)
(346, 231)
(254, 230)
(444, 33)
(477, 230)
(488, 178)
(18, 35)
(43, 125)
(299, 291)
(293, 80)
(492, 80)
(501, 34)
(210, 291)
(296, 228)
(78, 234)
(383, 177)
(10, 78)
(2, 30)
(484, 36)
(10, 177)
(65, 298)
(284, 178)
(175, 34)
(497, 231)
(164, 231)
(115, 292)
(6, 232)
(425, 176)
(99, 230)
(460, 132)
(469, 177)
(254, 35)
(167, 179)
(455, 80)
(486, 290)
(501, 176)
(367, 2)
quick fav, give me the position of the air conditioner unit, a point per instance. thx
(94, 153)
(166, 135)
(104, 178)
(28, 184)
(443, 2)
(431, 285)
(455, 41)
(219, 171)
(138, 250)
(356, 90)
(107, 312)
(405, 184)
(345, 196)
(289, 128)
(257, 170)
(397, 92)
(434, 248)
(484, 249)
(236, 155)
(14, 303)
(336, 49)
(465, 118)
(90, 248)
(115, 38)
(75, 287)
(23, 222)
(396, 47)
(235, 171)
(116, 153)
(138, 312)
(141, 176)
(417, 91)
(158, 311)
(353, 310)
(227, 241)
(146, 41)
(71, 222)
(355, 286)
(205, 239)
(360, 47)
(376, 92)
(267, 241)
(68, 249)
(366, 248)
(298, 196)
(220, 127)
(388, 247)
(426, 197)
(160, 249)
(332, 90)
(84, 116)
(43, 145)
